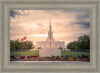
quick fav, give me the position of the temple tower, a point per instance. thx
(50, 46)
(50, 33)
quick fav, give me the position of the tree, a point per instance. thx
(73, 46)
(69, 45)
(60, 48)
(12, 46)
(39, 48)
(20, 46)
(82, 44)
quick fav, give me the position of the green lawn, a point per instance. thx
(26, 53)
(69, 53)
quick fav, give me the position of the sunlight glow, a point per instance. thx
(40, 35)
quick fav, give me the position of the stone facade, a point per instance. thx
(50, 46)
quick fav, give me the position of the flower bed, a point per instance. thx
(53, 58)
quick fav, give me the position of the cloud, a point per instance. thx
(83, 15)
(67, 25)
(13, 13)
(83, 19)
(85, 24)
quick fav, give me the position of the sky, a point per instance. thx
(67, 25)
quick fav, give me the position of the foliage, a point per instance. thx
(39, 47)
(60, 48)
(20, 46)
(82, 44)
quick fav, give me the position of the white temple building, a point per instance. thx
(50, 47)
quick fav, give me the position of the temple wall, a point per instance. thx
(48, 51)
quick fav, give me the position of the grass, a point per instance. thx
(26, 53)
(69, 53)
(74, 54)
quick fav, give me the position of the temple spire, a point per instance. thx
(50, 33)
(50, 25)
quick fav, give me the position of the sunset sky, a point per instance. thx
(67, 25)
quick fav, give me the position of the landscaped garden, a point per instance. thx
(25, 53)
(79, 51)
(65, 56)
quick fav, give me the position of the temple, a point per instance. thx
(50, 47)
